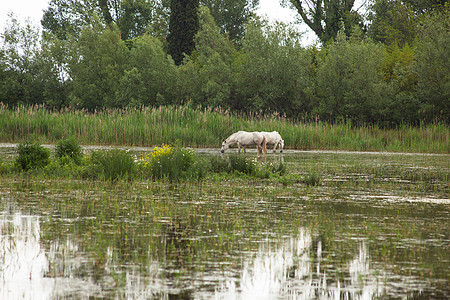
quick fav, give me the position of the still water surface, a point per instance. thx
(377, 227)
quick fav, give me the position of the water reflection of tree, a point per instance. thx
(297, 269)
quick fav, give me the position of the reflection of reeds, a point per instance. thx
(206, 128)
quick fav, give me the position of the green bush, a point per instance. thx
(173, 163)
(32, 156)
(112, 165)
(69, 148)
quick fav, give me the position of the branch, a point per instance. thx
(314, 24)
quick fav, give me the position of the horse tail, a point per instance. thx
(264, 145)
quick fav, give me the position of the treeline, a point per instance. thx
(356, 77)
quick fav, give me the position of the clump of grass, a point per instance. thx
(173, 163)
(233, 164)
(32, 155)
(69, 148)
(6, 166)
(312, 179)
(219, 164)
(239, 164)
(111, 165)
(242, 164)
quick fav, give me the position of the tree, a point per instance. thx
(151, 77)
(65, 18)
(207, 75)
(21, 65)
(98, 60)
(183, 26)
(432, 65)
(392, 22)
(273, 72)
(325, 17)
(231, 15)
(425, 6)
(350, 82)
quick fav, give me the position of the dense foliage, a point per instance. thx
(393, 71)
(31, 155)
(183, 27)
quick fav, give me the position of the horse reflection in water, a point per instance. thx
(244, 139)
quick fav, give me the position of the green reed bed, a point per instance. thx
(207, 128)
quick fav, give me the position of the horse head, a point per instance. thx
(224, 146)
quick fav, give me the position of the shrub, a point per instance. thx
(113, 164)
(173, 164)
(69, 148)
(32, 156)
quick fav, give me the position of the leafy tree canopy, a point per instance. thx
(326, 17)
(231, 15)
(183, 26)
(67, 17)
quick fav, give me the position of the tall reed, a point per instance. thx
(194, 127)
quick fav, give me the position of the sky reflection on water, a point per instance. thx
(24, 262)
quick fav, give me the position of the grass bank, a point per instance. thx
(207, 128)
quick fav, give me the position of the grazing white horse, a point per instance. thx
(274, 138)
(244, 139)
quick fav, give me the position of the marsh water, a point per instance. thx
(377, 226)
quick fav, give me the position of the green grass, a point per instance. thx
(208, 128)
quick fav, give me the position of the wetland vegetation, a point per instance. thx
(201, 128)
(356, 207)
(299, 224)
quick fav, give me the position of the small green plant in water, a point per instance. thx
(32, 155)
(112, 165)
(242, 164)
(69, 148)
(312, 179)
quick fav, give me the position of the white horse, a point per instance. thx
(244, 139)
(274, 138)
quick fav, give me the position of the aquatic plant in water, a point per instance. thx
(113, 164)
(69, 148)
(172, 163)
(32, 155)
